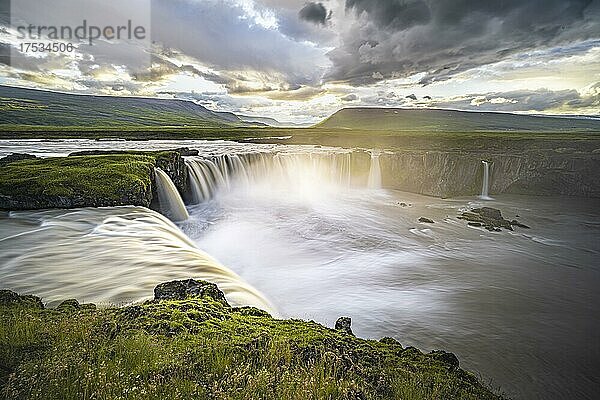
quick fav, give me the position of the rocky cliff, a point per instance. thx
(452, 173)
(88, 179)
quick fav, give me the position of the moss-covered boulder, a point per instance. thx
(9, 298)
(15, 157)
(181, 290)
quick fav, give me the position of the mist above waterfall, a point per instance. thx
(301, 175)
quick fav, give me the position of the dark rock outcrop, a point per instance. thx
(343, 324)
(15, 157)
(173, 164)
(489, 218)
(81, 180)
(390, 341)
(186, 151)
(189, 288)
(515, 222)
(10, 298)
(69, 305)
(426, 220)
(447, 358)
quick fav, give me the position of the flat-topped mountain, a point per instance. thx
(19, 106)
(402, 119)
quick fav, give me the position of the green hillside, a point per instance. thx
(28, 107)
(399, 119)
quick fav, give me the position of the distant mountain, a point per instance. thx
(435, 120)
(270, 122)
(21, 106)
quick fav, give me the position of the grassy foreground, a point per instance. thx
(202, 348)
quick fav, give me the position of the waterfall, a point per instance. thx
(298, 171)
(169, 201)
(110, 254)
(374, 181)
(486, 181)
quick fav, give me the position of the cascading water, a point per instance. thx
(170, 203)
(113, 254)
(374, 181)
(297, 172)
(486, 181)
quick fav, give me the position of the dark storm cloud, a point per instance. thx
(392, 13)
(396, 38)
(221, 35)
(314, 12)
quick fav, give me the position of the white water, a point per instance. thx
(518, 307)
(106, 255)
(485, 187)
(374, 181)
(303, 173)
(169, 199)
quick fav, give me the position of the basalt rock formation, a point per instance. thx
(489, 218)
(181, 290)
(88, 179)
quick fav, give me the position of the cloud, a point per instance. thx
(399, 38)
(314, 12)
(225, 36)
(350, 97)
(541, 100)
(392, 14)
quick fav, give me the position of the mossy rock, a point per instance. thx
(9, 298)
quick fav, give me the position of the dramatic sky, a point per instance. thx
(300, 61)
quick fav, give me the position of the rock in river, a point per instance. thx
(490, 218)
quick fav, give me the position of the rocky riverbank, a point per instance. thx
(188, 342)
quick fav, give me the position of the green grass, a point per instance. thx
(104, 178)
(21, 106)
(199, 348)
(81, 181)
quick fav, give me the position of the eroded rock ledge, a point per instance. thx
(87, 179)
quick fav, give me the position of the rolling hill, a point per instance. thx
(30, 107)
(435, 120)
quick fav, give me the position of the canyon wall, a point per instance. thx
(454, 173)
